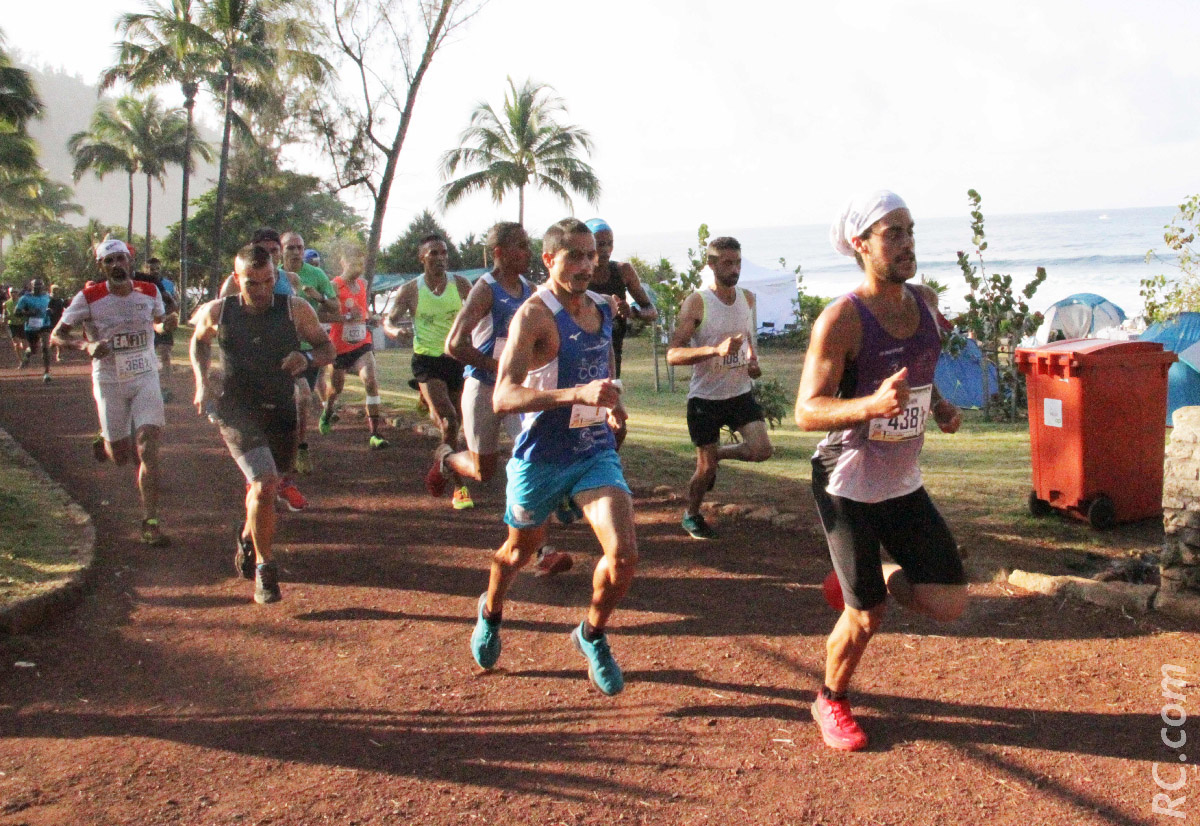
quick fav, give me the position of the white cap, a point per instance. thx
(110, 246)
(858, 216)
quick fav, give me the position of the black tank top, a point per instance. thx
(252, 346)
(613, 285)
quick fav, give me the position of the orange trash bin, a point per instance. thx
(1097, 428)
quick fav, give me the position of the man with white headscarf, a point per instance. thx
(868, 380)
(120, 317)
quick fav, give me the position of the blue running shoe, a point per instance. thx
(603, 670)
(567, 511)
(485, 639)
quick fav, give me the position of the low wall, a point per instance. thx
(1180, 564)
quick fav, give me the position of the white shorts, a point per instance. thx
(481, 425)
(126, 406)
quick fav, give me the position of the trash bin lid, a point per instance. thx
(1095, 352)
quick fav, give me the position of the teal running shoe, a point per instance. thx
(485, 639)
(697, 527)
(603, 670)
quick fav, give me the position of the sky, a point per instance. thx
(776, 112)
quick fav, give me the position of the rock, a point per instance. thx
(664, 490)
(1038, 583)
(1182, 605)
(1126, 596)
(764, 514)
(734, 511)
(786, 520)
(709, 508)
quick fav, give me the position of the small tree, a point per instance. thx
(401, 255)
(1163, 296)
(996, 317)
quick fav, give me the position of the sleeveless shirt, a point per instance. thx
(252, 347)
(722, 378)
(564, 435)
(873, 470)
(491, 333)
(434, 317)
(614, 285)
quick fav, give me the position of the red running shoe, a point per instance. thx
(291, 498)
(838, 729)
(550, 561)
(833, 592)
(435, 479)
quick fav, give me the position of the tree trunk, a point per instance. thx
(222, 174)
(129, 224)
(189, 103)
(149, 201)
(521, 205)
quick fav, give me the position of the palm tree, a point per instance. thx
(161, 46)
(526, 146)
(162, 138)
(19, 104)
(106, 146)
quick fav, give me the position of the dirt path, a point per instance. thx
(169, 697)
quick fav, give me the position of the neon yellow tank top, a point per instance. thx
(435, 316)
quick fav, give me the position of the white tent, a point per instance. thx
(1083, 315)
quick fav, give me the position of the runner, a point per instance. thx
(316, 289)
(619, 280)
(286, 283)
(16, 327)
(54, 311)
(119, 317)
(432, 306)
(868, 379)
(259, 333)
(34, 308)
(163, 342)
(556, 371)
(477, 340)
(352, 341)
(716, 335)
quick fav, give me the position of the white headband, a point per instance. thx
(858, 216)
(110, 247)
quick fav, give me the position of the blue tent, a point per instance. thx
(960, 378)
(1183, 379)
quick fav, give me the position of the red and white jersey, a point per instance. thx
(350, 335)
(125, 321)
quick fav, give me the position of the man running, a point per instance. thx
(315, 288)
(477, 339)
(260, 334)
(556, 370)
(119, 318)
(16, 326)
(868, 380)
(715, 334)
(34, 308)
(619, 280)
(352, 341)
(163, 342)
(432, 304)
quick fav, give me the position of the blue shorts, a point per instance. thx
(536, 488)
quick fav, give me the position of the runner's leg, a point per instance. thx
(610, 512)
(517, 550)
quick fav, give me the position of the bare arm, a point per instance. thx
(690, 316)
(458, 342)
(61, 336)
(228, 287)
(945, 412)
(646, 310)
(404, 305)
(835, 338)
(206, 320)
(752, 368)
(309, 329)
(532, 342)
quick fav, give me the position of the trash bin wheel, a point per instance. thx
(1101, 514)
(1038, 507)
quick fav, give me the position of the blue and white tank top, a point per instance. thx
(568, 434)
(491, 333)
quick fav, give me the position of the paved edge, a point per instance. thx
(21, 615)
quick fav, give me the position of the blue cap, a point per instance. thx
(598, 225)
(312, 255)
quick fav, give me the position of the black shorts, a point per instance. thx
(443, 368)
(310, 375)
(167, 339)
(345, 361)
(706, 417)
(246, 428)
(34, 336)
(908, 527)
(17, 331)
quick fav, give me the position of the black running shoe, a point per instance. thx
(266, 584)
(243, 558)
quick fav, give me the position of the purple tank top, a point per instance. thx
(869, 468)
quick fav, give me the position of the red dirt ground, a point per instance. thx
(169, 697)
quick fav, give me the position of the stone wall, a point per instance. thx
(1180, 564)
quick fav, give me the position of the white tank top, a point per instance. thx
(722, 378)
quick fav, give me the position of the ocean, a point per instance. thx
(1094, 251)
